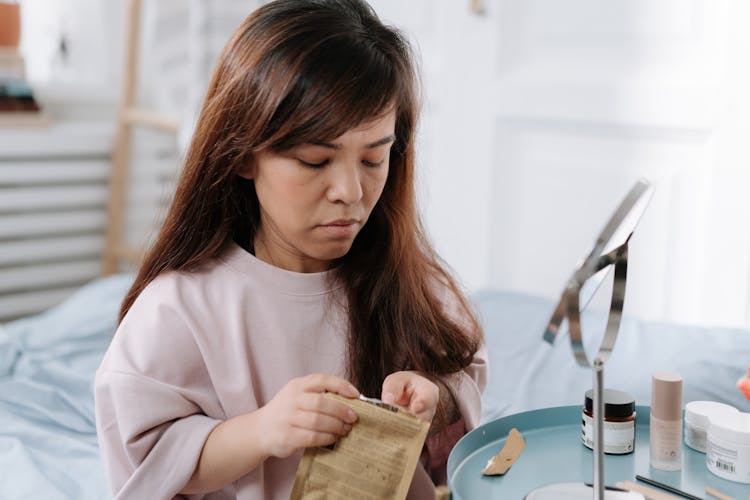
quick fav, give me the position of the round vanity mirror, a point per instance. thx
(609, 253)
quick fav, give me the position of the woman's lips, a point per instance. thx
(341, 228)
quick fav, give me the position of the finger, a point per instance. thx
(426, 398)
(318, 422)
(304, 438)
(320, 403)
(397, 389)
(426, 395)
(417, 405)
(423, 410)
(322, 383)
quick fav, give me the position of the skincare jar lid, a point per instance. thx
(617, 404)
(698, 413)
(732, 428)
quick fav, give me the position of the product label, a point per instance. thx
(733, 464)
(695, 438)
(618, 436)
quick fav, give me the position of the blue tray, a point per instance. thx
(554, 453)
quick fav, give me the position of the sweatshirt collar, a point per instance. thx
(285, 281)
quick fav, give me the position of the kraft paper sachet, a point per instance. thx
(500, 463)
(375, 461)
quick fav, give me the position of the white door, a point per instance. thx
(539, 116)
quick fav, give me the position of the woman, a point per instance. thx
(292, 262)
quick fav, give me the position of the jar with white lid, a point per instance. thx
(728, 446)
(697, 415)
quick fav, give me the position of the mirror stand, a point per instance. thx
(579, 291)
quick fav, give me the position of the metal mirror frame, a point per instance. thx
(570, 307)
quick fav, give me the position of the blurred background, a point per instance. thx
(538, 116)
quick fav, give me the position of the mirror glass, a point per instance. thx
(596, 286)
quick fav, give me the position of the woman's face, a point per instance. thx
(315, 198)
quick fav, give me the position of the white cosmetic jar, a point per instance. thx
(697, 414)
(728, 448)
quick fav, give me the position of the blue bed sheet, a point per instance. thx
(527, 373)
(48, 447)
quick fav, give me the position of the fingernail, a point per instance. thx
(351, 416)
(388, 397)
(418, 406)
(347, 428)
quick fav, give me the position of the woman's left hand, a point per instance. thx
(412, 392)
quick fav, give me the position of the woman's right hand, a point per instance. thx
(301, 416)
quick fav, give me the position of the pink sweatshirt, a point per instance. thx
(198, 348)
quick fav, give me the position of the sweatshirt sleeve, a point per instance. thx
(152, 397)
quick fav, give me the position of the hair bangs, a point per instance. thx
(344, 81)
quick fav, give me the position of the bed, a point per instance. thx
(48, 447)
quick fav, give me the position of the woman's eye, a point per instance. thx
(311, 164)
(368, 163)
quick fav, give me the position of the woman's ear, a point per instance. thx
(247, 171)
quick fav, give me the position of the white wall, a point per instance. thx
(538, 116)
(542, 114)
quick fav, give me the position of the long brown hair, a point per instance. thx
(300, 71)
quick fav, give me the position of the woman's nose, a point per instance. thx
(345, 183)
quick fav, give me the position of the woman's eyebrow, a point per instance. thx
(379, 142)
